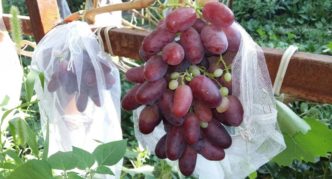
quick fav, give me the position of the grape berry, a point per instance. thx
(186, 84)
(66, 79)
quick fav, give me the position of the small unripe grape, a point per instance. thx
(188, 78)
(194, 70)
(224, 91)
(173, 84)
(228, 77)
(175, 75)
(218, 72)
(223, 105)
(204, 124)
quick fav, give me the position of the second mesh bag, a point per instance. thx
(81, 95)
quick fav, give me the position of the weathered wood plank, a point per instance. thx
(25, 20)
(44, 15)
(309, 76)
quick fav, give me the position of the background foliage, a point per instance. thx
(272, 23)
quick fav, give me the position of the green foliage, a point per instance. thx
(306, 147)
(84, 159)
(62, 161)
(111, 153)
(282, 23)
(20, 4)
(23, 135)
(289, 121)
(36, 169)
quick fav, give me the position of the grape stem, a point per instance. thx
(224, 63)
(210, 75)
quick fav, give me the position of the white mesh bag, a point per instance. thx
(81, 97)
(11, 73)
(258, 139)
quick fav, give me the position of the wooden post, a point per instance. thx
(44, 15)
(309, 76)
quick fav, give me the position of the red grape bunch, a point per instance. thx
(65, 78)
(186, 84)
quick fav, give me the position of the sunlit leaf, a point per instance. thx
(110, 153)
(306, 147)
(33, 169)
(63, 161)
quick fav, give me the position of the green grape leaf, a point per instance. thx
(63, 160)
(73, 175)
(12, 154)
(84, 159)
(110, 153)
(104, 170)
(36, 169)
(42, 79)
(307, 147)
(253, 175)
(29, 84)
(23, 134)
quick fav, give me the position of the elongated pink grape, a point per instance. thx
(109, 81)
(90, 77)
(165, 105)
(192, 45)
(183, 66)
(202, 111)
(160, 149)
(129, 101)
(94, 95)
(214, 63)
(183, 98)
(180, 19)
(218, 14)
(211, 152)
(217, 134)
(173, 53)
(215, 41)
(199, 25)
(234, 114)
(191, 128)
(155, 41)
(135, 74)
(233, 37)
(148, 119)
(150, 91)
(106, 67)
(205, 90)
(155, 68)
(82, 100)
(54, 83)
(144, 55)
(229, 57)
(70, 83)
(175, 143)
(187, 161)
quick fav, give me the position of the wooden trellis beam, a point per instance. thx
(309, 76)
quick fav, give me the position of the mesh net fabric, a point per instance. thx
(76, 44)
(258, 139)
(11, 74)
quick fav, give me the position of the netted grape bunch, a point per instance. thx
(186, 83)
(65, 78)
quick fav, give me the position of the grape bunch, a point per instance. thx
(66, 78)
(186, 83)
